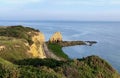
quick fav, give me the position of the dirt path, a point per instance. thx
(48, 53)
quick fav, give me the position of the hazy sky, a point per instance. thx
(98, 10)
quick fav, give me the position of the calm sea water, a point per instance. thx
(107, 34)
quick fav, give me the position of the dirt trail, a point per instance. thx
(48, 53)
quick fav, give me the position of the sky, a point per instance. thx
(80, 10)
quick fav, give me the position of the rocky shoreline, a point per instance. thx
(74, 43)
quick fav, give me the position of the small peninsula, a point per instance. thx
(24, 53)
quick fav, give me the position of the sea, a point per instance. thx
(107, 34)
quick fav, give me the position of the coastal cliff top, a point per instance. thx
(17, 63)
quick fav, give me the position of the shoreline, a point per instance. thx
(74, 43)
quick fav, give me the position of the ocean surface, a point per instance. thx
(107, 34)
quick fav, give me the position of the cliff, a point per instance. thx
(36, 49)
(25, 54)
(13, 38)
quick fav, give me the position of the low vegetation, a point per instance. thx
(57, 50)
(89, 67)
(52, 63)
(17, 32)
(13, 49)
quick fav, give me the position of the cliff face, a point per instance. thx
(36, 49)
(56, 37)
(18, 42)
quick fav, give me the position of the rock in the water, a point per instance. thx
(56, 37)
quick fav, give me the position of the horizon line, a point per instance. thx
(58, 21)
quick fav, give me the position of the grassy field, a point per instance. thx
(19, 32)
(14, 49)
(13, 40)
(57, 50)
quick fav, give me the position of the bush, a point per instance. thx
(32, 72)
(89, 67)
(8, 72)
(40, 62)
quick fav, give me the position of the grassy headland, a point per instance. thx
(57, 50)
(15, 62)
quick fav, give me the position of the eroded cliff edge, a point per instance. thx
(24, 42)
(36, 49)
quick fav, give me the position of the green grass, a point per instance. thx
(18, 32)
(57, 50)
(8, 69)
(14, 39)
(5, 62)
(15, 49)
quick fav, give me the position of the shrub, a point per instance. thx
(40, 62)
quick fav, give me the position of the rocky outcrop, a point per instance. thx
(73, 43)
(2, 47)
(36, 49)
(56, 37)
